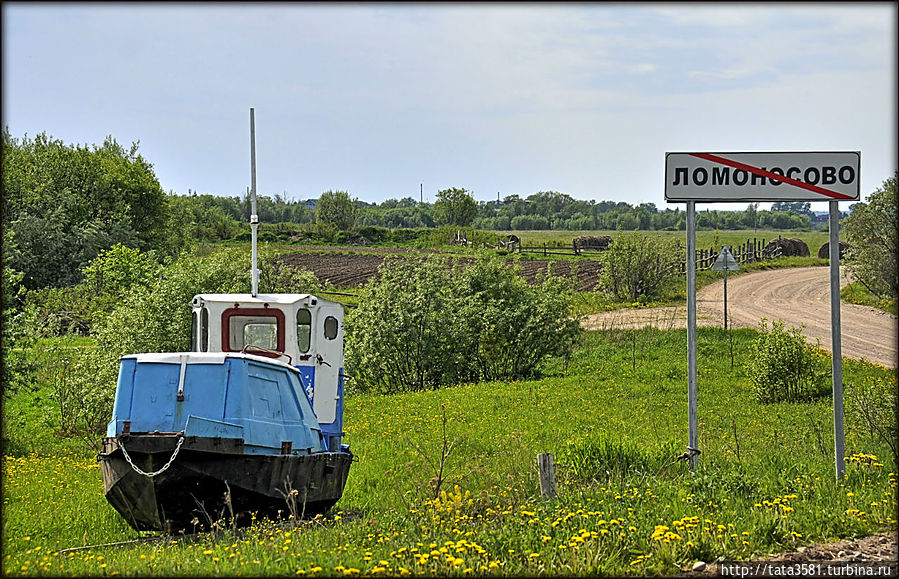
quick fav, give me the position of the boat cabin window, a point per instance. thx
(199, 331)
(193, 332)
(204, 330)
(330, 327)
(260, 327)
(304, 329)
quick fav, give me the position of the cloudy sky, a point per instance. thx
(380, 99)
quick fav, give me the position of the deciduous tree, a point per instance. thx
(871, 233)
(336, 209)
(455, 206)
(64, 204)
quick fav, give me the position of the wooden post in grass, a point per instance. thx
(547, 475)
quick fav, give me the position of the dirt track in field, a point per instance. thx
(796, 295)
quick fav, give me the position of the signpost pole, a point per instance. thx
(691, 333)
(838, 434)
(725, 298)
(254, 218)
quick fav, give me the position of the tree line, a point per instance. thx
(217, 217)
(64, 204)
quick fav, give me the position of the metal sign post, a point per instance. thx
(254, 218)
(760, 176)
(837, 364)
(725, 262)
(692, 402)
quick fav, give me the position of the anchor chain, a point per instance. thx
(158, 472)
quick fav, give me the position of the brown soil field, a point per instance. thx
(353, 269)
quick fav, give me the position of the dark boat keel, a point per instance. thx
(207, 474)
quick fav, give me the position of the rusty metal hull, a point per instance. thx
(207, 474)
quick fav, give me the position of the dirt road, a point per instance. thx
(796, 295)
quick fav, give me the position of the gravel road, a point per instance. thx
(795, 295)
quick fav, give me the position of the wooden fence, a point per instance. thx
(554, 249)
(750, 251)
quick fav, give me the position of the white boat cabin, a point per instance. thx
(303, 330)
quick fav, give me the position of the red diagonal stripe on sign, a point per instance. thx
(770, 175)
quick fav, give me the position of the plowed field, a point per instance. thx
(353, 269)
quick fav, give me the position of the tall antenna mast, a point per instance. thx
(254, 218)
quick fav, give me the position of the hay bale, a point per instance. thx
(824, 252)
(789, 246)
(597, 242)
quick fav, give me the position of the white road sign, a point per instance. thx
(788, 176)
(725, 261)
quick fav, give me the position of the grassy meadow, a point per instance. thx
(615, 418)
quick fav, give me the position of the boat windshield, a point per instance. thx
(253, 327)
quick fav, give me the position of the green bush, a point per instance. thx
(425, 324)
(784, 367)
(106, 279)
(403, 335)
(872, 235)
(871, 404)
(517, 325)
(17, 367)
(639, 266)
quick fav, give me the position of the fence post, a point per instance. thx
(544, 249)
(547, 475)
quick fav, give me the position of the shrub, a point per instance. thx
(406, 333)
(871, 410)
(424, 325)
(15, 339)
(783, 367)
(638, 266)
(82, 402)
(517, 325)
(76, 309)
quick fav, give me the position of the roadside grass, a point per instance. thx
(615, 418)
(856, 293)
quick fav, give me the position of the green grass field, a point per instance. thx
(614, 417)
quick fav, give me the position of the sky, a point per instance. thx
(401, 100)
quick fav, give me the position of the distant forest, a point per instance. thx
(216, 217)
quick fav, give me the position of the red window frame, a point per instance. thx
(255, 312)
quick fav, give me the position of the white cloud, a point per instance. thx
(583, 98)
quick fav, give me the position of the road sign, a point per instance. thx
(725, 261)
(788, 176)
(723, 177)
